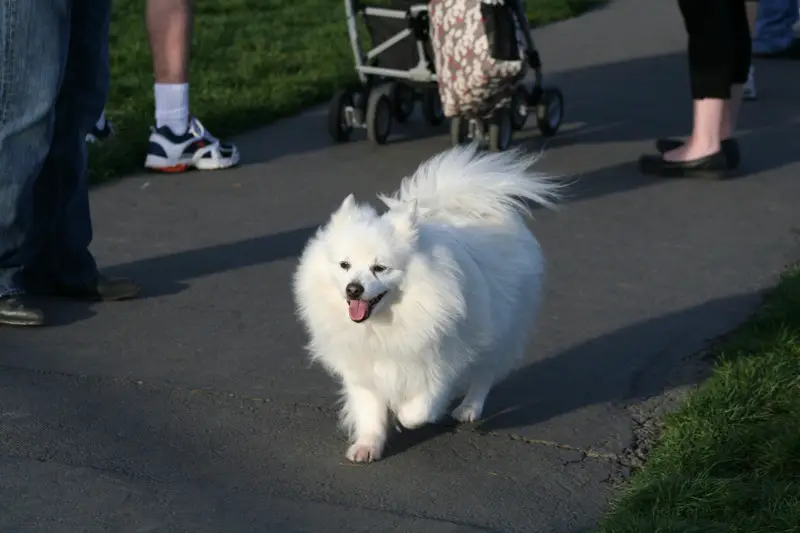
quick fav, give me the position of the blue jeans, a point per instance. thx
(53, 86)
(774, 25)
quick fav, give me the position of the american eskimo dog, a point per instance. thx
(433, 299)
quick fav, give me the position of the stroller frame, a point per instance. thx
(385, 95)
(420, 73)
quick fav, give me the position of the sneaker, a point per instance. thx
(194, 149)
(750, 87)
(100, 133)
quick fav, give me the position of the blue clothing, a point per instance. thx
(54, 81)
(774, 25)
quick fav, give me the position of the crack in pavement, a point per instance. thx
(293, 406)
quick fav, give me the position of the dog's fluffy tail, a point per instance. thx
(478, 186)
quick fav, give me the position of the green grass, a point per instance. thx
(253, 61)
(729, 460)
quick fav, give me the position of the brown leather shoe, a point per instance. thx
(14, 312)
(104, 289)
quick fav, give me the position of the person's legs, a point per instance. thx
(774, 35)
(64, 265)
(179, 141)
(169, 27)
(705, 139)
(30, 77)
(712, 57)
(740, 71)
(62, 187)
(749, 91)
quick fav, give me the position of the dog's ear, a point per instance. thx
(404, 218)
(346, 209)
(348, 203)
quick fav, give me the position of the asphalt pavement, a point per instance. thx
(195, 409)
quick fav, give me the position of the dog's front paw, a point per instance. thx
(467, 412)
(365, 452)
(414, 414)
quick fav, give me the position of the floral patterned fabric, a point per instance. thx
(476, 74)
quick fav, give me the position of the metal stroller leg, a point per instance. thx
(549, 102)
(393, 74)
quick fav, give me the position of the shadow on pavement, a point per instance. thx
(601, 370)
(168, 274)
(629, 101)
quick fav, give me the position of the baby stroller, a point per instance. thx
(395, 74)
(483, 50)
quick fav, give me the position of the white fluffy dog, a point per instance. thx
(431, 300)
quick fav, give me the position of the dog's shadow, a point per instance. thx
(629, 365)
(403, 440)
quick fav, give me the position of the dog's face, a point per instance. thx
(367, 256)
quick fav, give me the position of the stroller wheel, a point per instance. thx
(432, 107)
(402, 99)
(550, 111)
(519, 108)
(501, 128)
(458, 131)
(379, 116)
(339, 126)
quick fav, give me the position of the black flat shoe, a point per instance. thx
(713, 166)
(730, 147)
(14, 312)
(103, 289)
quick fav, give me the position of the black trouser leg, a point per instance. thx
(719, 45)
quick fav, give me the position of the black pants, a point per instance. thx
(719, 46)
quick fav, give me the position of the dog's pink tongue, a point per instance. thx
(358, 309)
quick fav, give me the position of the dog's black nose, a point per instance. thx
(354, 290)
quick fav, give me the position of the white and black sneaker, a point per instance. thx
(194, 149)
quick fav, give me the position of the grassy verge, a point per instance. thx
(729, 460)
(253, 61)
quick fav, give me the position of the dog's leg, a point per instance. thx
(365, 416)
(471, 406)
(424, 408)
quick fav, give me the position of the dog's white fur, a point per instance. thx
(463, 281)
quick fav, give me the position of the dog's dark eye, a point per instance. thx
(345, 265)
(377, 269)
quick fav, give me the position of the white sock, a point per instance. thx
(172, 106)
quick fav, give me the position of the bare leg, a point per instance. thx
(180, 141)
(705, 139)
(731, 112)
(169, 28)
(752, 13)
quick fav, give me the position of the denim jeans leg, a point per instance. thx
(63, 183)
(34, 36)
(774, 25)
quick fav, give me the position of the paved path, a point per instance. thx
(194, 409)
